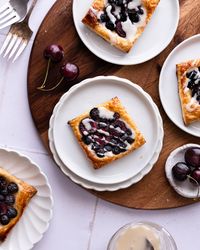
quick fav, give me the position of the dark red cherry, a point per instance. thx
(195, 175)
(192, 157)
(69, 71)
(54, 52)
(180, 171)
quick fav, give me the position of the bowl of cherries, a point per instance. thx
(182, 170)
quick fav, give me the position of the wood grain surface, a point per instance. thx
(153, 192)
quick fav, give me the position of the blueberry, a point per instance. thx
(122, 144)
(86, 140)
(110, 25)
(3, 182)
(123, 17)
(104, 18)
(119, 30)
(128, 131)
(114, 141)
(4, 191)
(190, 84)
(11, 212)
(111, 1)
(134, 17)
(100, 153)
(10, 199)
(119, 2)
(108, 147)
(94, 114)
(96, 146)
(4, 220)
(116, 150)
(130, 140)
(192, 74)
(140, 10)
(12, 188)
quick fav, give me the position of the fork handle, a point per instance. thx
(26, 19)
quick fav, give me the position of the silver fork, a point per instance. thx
(18, 37)
(12, 11)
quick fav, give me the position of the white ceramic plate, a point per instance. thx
(84, 97)
(168, 85)
(35, 219)
(102, 187)
(157, 35)
(184, 188)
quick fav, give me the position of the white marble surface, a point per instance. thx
(80, 220)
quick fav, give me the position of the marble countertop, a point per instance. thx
(80, 220)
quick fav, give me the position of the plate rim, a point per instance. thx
(91, 81)
(127, 63)
(91, 185)
(27, 158)
(118, 79)
(182, 127)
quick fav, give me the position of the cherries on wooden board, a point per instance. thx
(69, 71)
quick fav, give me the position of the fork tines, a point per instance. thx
(13, 44)
(8, 15)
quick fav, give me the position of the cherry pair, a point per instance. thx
(69, 71)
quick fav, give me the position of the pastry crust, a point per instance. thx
(22, 197)
(113, 105)
(112, 37)
(189, 114)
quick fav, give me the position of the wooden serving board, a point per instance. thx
(153, 192)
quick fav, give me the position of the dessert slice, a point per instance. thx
(14, 197)
(120, 22)
(106, 133)
(188, 74)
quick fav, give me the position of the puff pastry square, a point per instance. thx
(14, 197)
(106, 133)
(188, 74)
(120, 22)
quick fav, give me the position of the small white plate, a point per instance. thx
(35, 219)
(85, 96)
(157, 35)
(103, 187)
(184, 188)
(168, 84)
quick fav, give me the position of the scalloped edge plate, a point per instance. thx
(132, 95)
(104, 187)
(28, 231)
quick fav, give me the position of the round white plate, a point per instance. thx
(84, 97)
(102, 187)
(157, 35)
(35, 219)
(168, 85)
(184, 188)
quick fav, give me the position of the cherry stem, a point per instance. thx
(46, 75)
(54, 87)
(196, 182)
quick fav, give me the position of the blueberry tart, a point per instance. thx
(120, 22)
(188, 74)
(106, 133)
(14, 197)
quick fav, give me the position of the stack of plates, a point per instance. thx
(70, 157)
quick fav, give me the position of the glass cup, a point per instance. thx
(160, 235)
